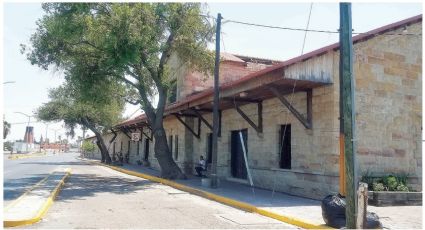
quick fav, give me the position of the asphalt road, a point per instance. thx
(21, 174)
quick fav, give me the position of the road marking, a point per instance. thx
(221, 199)
(44, 208)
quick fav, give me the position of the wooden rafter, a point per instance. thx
(307, 122)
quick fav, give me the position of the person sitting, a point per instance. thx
(201, 166)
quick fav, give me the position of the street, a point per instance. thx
(22, 174)
(98, 197)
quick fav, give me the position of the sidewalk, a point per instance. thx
(399, 217)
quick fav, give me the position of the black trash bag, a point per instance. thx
(372, 221)
(333, 211)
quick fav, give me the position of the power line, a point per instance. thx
(309, 30)
(308, 23)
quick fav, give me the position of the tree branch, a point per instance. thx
(165, 54)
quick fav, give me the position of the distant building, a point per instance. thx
(292, 140)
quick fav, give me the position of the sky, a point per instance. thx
(31, 84)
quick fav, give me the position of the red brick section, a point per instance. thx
(46, 146)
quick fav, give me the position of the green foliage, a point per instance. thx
(402, 188)
(368, 178)
(88, 146)
(391, 182)
(377, 187)
(93, 108)
(396, 182)
(6, 128)
(8, 146)
(127, 42)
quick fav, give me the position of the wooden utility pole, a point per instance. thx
(214, 179)
(347, 112)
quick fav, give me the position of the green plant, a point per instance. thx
(402, 178)
(369, 179)
(378, 187)
(88, 146)
(391, 182)
(402, 188)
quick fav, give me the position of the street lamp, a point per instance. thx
(29, 120)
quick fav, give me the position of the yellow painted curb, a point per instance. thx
(224, 200)
(25, 193)
(43, 210)
(17, 157)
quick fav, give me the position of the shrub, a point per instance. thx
(391, 182)
(378, 187)
(88, 147)
(402, 188)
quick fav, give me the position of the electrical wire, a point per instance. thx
(290, 105)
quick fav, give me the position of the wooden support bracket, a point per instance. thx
(198, 134)
(150, 138)
(199, 115)
(307, 122)
(259, 126)
(115, 136)
(125, 131)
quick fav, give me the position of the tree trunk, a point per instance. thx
(102, 154)
(169, 168)
(100, 142)
(103, 149)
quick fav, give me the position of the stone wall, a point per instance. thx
(388, 74)
(388, 71)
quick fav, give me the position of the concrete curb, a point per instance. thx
(17, 157)
(43, 209)
(224, 200)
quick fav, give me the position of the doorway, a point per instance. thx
(209, 148)
(237, 161)
(285, 146)
(146, 156)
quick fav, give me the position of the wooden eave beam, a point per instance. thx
(238, 99)
(307, 122)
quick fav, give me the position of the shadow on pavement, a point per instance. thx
(12, 189)
(57, 163)
(79, 186)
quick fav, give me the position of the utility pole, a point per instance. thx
(214, 179)
(28, 125)
(347, 113)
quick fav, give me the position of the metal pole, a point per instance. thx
(347, 112)
(214, 179)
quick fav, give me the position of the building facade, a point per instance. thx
(287, 116)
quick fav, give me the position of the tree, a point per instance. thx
(132, 43)
(88, 147)
(6, 128)
(95, 108)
